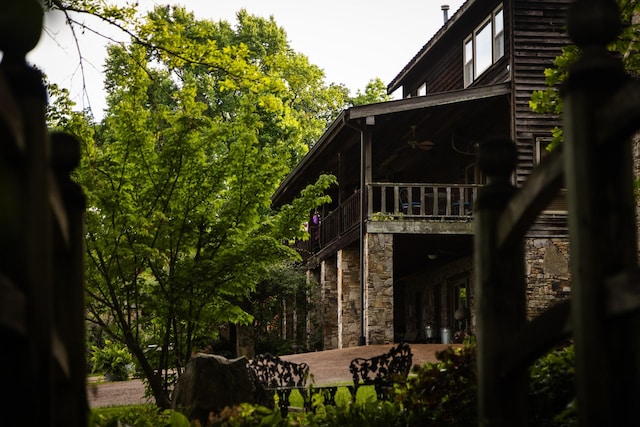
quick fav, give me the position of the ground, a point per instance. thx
(326, 367)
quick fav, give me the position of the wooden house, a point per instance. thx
(392, 253)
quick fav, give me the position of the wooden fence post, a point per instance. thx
(500, 293)
(602, 226)
(41, 244)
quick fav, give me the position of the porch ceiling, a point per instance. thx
(411, 252)
(454, 121)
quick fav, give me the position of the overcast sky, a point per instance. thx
(353, 41)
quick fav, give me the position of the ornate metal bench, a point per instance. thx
(381, 371)
(281, 377)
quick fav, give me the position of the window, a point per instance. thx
(558, 204)
(498, 35)
(541, 148)
(484, 46)
(422, 90)
(468, 62)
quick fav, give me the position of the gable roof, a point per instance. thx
(396, 83)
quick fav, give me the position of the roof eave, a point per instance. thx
(334, 128)
(396, 83)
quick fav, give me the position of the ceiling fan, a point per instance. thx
(425, 145)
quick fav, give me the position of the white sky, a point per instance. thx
(353, 41)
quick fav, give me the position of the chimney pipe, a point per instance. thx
(445, 12)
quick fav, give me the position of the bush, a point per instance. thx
(552, 389)
(436, 394)
(443, 393)
(138, 415)
(112, 360)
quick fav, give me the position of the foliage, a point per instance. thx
(375, 413)
(375, 91)
(137, 416)
(382, 216)
(552, 389)
(204, 120)
(443, 393)
(436, 394)
(284, 285)
(111, 359)
(549, 101)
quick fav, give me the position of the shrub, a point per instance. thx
(443, 393)
(137, 415)
(552, 389)
(114, 360)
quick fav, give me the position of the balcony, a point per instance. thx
(394, 207)
(421, 201)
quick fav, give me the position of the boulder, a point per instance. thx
(211, 382)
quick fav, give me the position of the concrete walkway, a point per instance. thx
(332, 366)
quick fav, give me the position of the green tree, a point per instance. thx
(203, 122)
(375, 91)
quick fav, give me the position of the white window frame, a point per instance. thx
(471, 69)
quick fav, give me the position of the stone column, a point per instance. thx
(245, 345)
(379, 288)
(348, 268)
(329, 300)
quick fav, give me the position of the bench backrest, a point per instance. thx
(396, 364)
(274, 373)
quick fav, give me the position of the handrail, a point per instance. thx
(420, 200)
(392, 200)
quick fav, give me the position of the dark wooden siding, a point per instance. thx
(442, 72)
(442, 67)
(538, 37)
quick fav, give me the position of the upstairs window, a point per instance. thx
(498, 35)
(484, 46)
(468, 62)
(422, 90)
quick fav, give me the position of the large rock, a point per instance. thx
(211, 382)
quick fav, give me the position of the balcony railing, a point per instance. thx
(395, 200)
(427, 201)
(330, 228)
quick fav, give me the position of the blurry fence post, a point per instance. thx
(41, 240)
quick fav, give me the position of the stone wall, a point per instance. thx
(348, 269)
(379, 288)
(547, 273)
(329, 303)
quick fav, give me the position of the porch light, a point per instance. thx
(432, 256)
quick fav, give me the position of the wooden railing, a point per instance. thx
(330, 228)
(421, 200)
(340, 220)
(427, 202)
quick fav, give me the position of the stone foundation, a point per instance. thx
(547, 273)
(348, 269)
(379, 289)
(329, 303)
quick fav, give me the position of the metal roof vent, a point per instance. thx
(445, 12)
